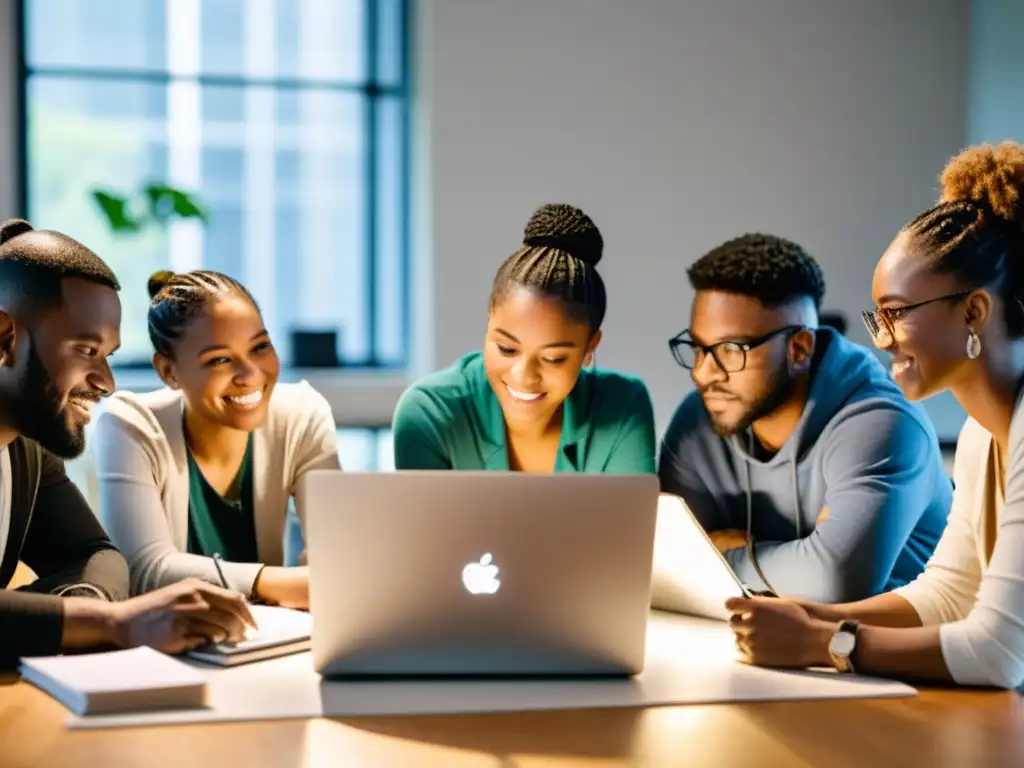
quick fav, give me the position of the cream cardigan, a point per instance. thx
(142, 471)
(974, 583)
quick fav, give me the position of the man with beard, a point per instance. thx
(59, 322)
(803, 461)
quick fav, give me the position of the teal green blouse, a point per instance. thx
(452, 420)
(219, 525)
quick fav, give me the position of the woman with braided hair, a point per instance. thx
(949, 295)
(207, 465)
(527, 402)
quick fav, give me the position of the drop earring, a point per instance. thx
(973, 344)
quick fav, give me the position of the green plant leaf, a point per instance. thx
(115, 210)
(165, 202)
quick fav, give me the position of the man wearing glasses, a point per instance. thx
(803, 461)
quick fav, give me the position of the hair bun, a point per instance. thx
(991, 177)
(567, 228)
(12, 228)
(157, 281)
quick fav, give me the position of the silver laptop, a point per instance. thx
(479, 573)
(690, 575)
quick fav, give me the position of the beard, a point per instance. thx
(776, 394)
(39, 415)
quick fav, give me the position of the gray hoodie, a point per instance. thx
(860, 449)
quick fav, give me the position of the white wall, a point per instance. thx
(677, 125)
(996, 96)
(8, 116)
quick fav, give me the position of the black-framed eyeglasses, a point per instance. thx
(731, 356)
(882, 320)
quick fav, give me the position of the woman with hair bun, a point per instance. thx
(207, 465)
(527, 402)
(949, 295)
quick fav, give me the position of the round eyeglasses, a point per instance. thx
(881, 322)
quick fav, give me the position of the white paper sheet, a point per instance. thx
(689, 661)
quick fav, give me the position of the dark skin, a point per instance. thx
(533, 354)
(928, 350)
(732, 397)
(226, 354)
(74, 341)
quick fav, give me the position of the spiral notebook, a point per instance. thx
(280, 631)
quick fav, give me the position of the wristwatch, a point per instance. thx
(843, 644)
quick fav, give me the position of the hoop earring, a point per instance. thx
(973, 344)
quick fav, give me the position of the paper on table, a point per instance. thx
(274, 625)
(279, 631)
(689, 661)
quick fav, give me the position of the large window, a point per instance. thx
(287, 118)
(366, 449)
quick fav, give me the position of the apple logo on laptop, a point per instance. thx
(481, 578)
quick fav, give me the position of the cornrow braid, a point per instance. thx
(975, 232)
(558, 260)
(178, 299)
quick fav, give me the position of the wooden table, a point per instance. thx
(960, 729)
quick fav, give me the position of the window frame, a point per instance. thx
(370, 87)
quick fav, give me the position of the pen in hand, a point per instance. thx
(220, 572)
(224, 583)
